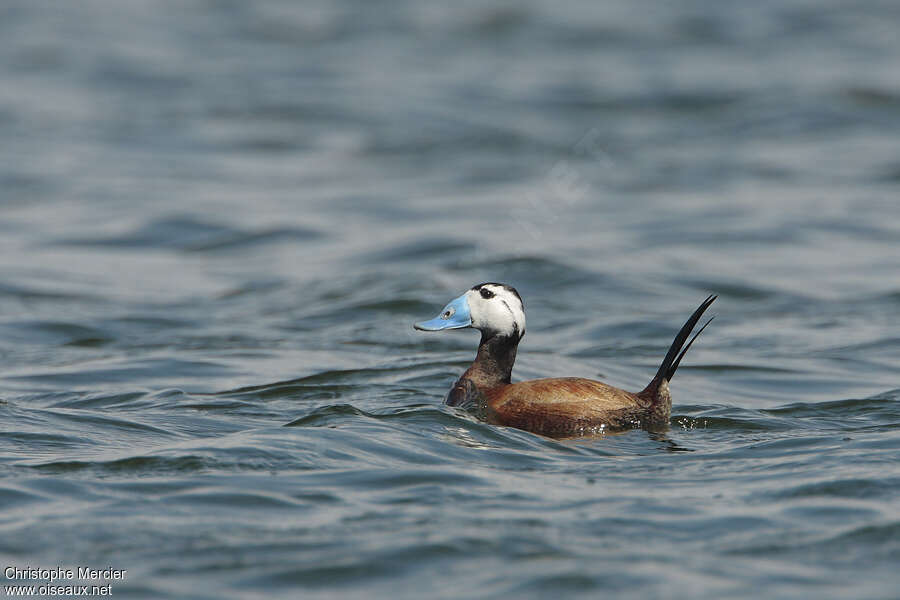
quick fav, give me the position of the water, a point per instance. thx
(218, 222)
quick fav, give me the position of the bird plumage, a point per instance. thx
(555, 406)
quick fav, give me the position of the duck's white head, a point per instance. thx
(492, 308)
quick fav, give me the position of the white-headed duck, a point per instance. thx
(558, 406)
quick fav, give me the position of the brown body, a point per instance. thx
(569, 405)
(565, 406)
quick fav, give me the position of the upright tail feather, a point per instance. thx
(676, 353)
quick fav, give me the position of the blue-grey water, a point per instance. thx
(218, 221)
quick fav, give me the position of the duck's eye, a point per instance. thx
(448, 313)
(486, 293)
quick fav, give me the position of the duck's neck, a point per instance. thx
(494, 361)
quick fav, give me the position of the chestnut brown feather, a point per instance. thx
(564, 406)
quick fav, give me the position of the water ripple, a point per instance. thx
(218, 224)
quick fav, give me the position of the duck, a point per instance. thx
(554, 407)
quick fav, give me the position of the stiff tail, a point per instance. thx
(676, 352)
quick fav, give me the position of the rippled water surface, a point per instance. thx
(218, 221)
